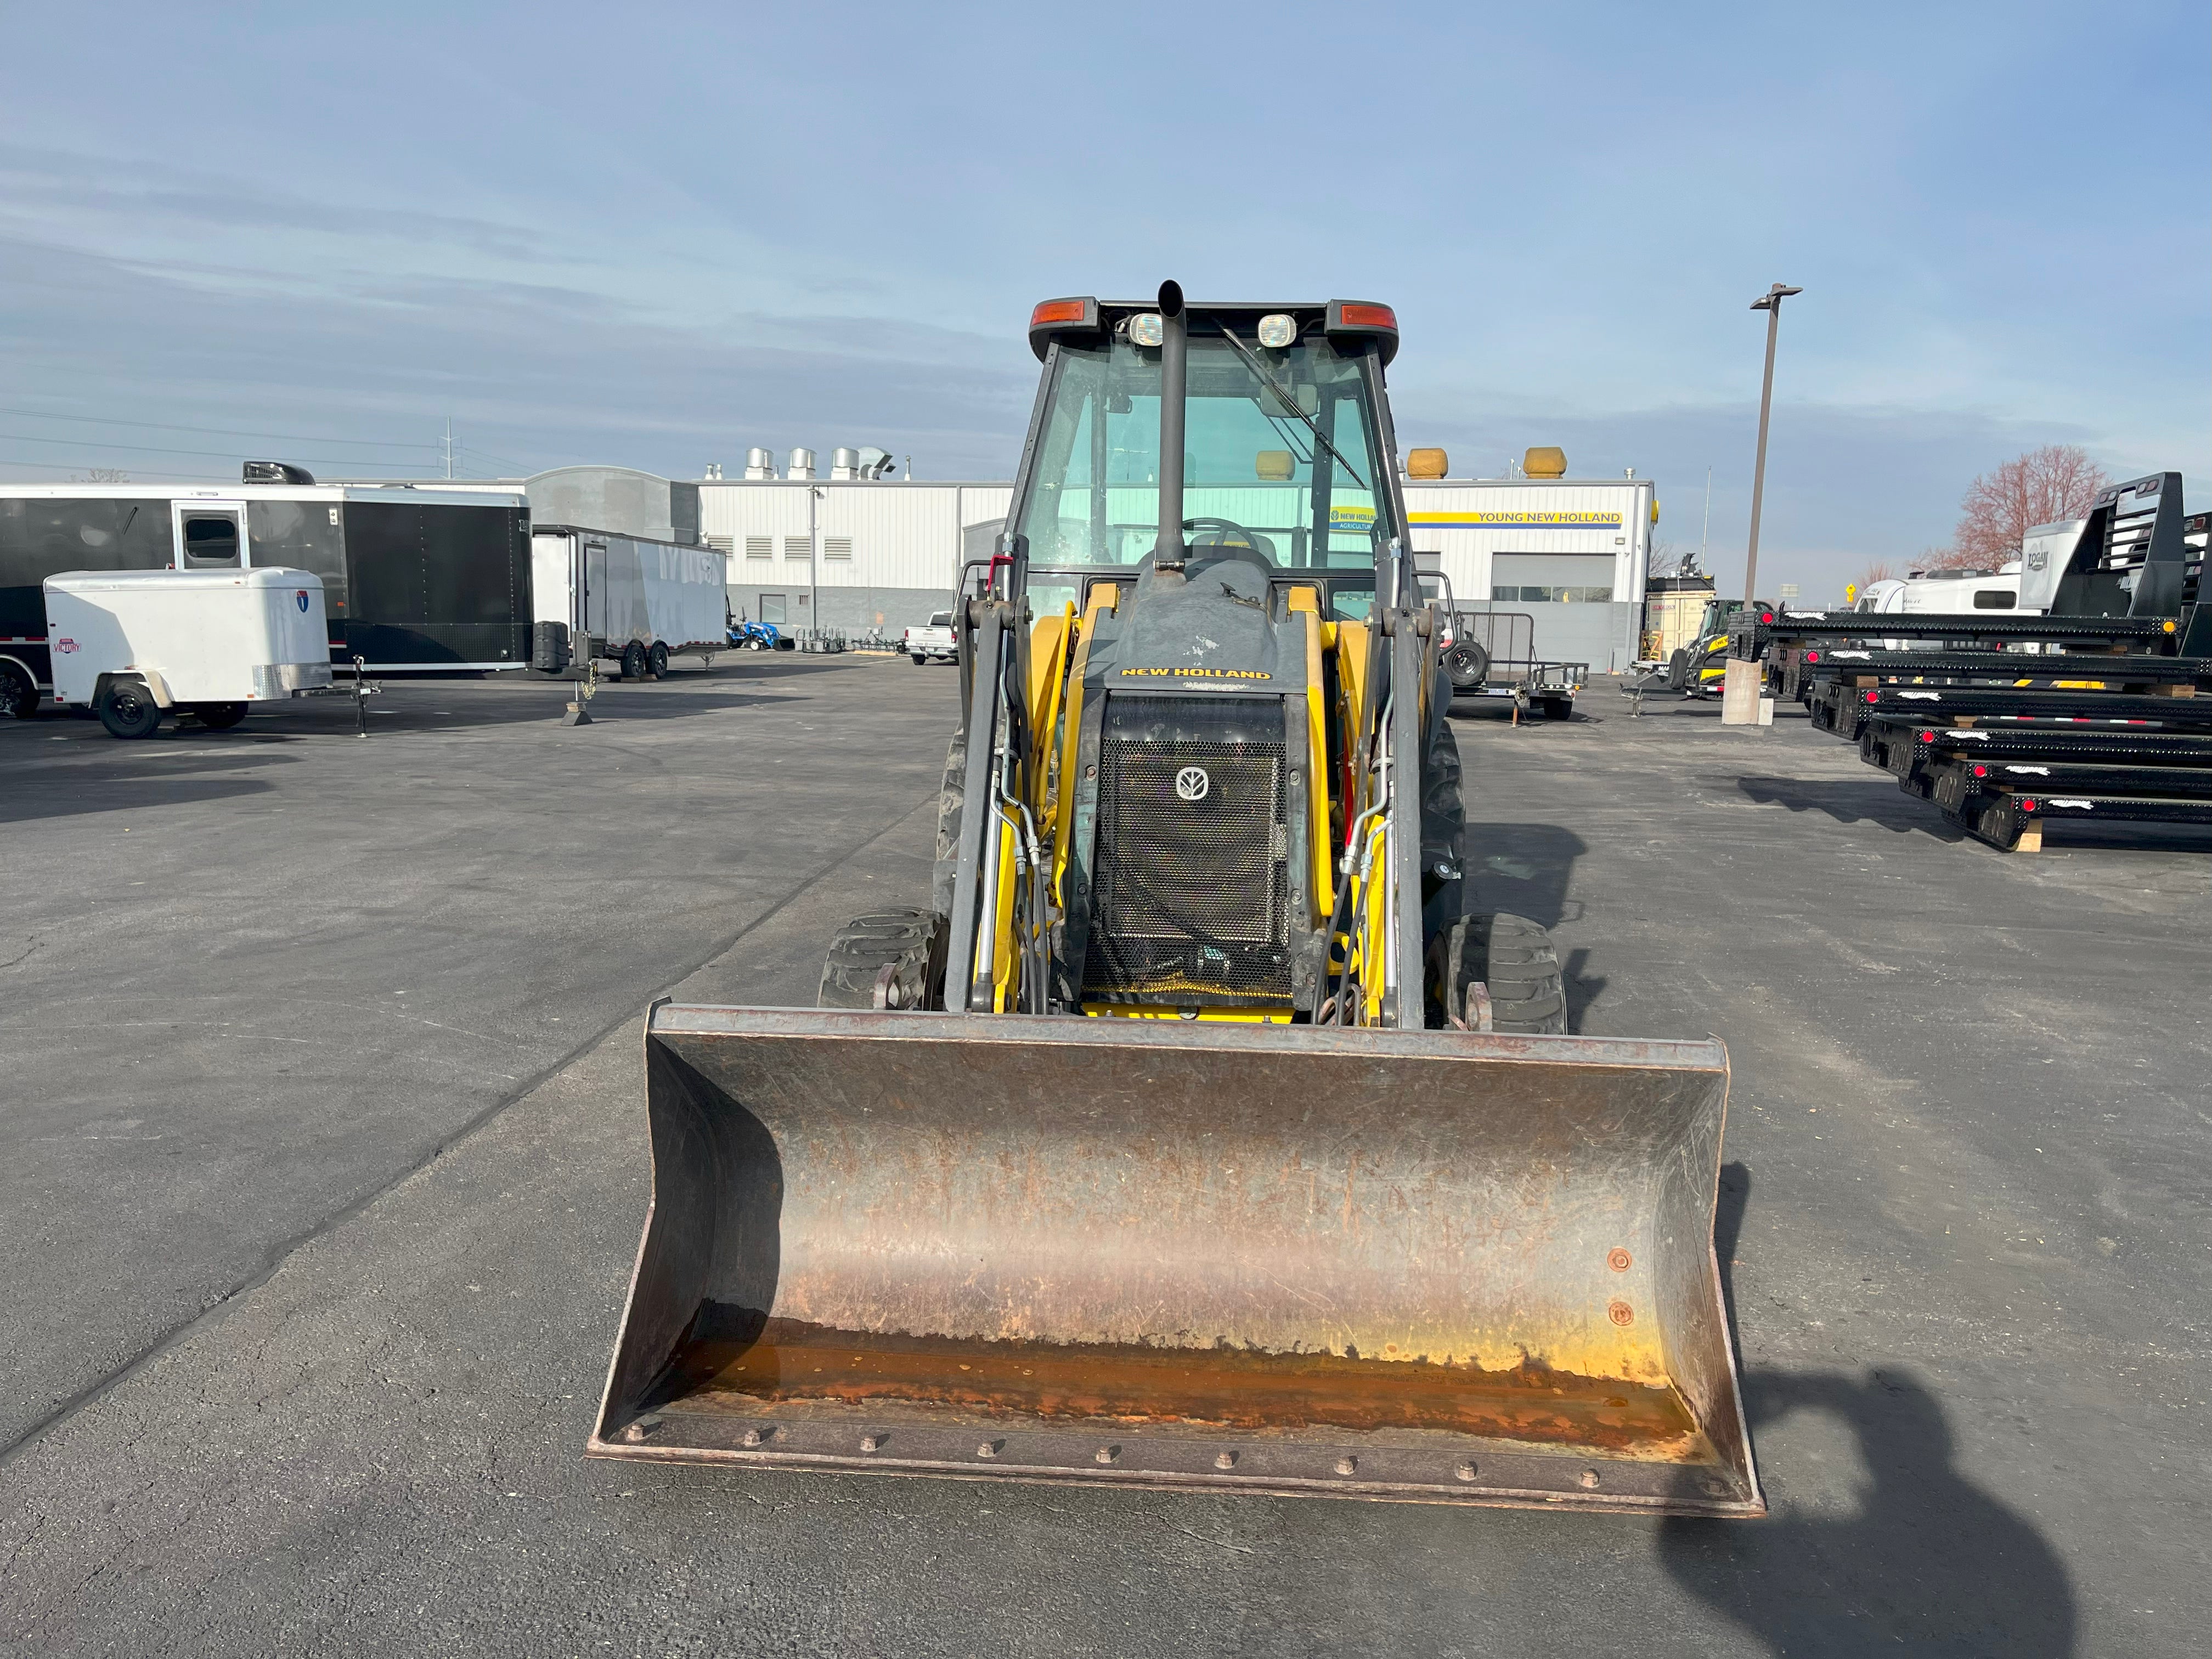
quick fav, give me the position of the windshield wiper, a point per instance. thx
(1291, 404)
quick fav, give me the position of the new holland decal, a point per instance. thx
(1204, 673)
(1516, 521)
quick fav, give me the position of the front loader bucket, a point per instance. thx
(1432, 1266)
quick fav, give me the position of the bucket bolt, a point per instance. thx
(1107, 1454)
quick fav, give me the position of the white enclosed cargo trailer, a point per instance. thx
(625, 600)
(138, 645)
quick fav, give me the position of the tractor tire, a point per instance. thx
(1467, 664)
(633, 661)
(1512, 958)
(893, 960)
(1527, 992)
(127, 710)
(218, 716)
(656, 661)
(950, 794)
(1678, 669)
(19, 696)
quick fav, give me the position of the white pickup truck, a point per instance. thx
(935, 643)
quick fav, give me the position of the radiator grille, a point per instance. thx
(1191, 895)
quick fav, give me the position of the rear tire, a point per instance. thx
(633, 661)
(921, 662)
(127, 710)
(219, 716)
(952, 793)
(656, 660)
(893, 960)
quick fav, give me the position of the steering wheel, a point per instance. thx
(1252, 540)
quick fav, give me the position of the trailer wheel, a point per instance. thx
(1513, 959)
(19, 696)
(1678, 669)
(218, 716)
(1556, 709)
(892, 960)
(656, 660)
(127, 710)
(1467, 664)
(633, 661)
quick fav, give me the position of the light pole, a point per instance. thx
(1770, 303)
(813, 565)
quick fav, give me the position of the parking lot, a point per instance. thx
(324, 1163)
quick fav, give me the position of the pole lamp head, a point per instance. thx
(1773, 299)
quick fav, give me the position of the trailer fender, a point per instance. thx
(155, 683)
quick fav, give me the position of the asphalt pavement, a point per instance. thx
(324, 1163)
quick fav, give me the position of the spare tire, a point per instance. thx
(1467, 664)
(1678, 669)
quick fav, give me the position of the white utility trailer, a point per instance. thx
(138, 645)
(625, 600)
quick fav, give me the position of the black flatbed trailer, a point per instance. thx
(2007, 666)
(2015, 823)
(1900, 745)
(1844, 709)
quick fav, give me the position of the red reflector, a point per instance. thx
(2028, 803)
(1812, 656)
(1981, 771)
(1766, 616)
(1874, 696)
(1056, 311)
(1927, 737)
(1360, 316)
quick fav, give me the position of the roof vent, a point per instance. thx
(760, 464)
(845, 463)
(802, 465)
(1547, 462)
(1427, 464)
(276, 473)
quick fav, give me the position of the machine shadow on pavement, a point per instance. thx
(1877, 801)
(1929, 1564)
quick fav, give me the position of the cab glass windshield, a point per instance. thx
(1249, 463)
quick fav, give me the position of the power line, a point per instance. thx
(219, 432)
(162, 449)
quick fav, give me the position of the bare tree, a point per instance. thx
(1665, 559)
(2044, 486)
(1880, 571)
(102, 475)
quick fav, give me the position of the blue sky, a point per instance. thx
(657, 235)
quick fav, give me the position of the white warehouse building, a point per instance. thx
(1571, 553)
(880, 555)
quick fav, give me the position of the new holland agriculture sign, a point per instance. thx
(1511, 520)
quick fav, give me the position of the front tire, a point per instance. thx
(127, 710)
(1511, 961)
(633, 661)
(893, 960)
